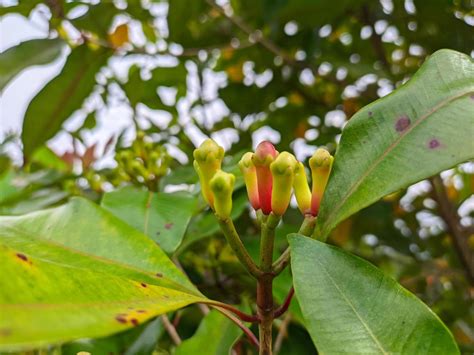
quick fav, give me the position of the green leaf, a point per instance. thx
(26, 54)
(422, 128)
(83, 273)
(351, 307)
(215, 336)
(163, 217)
(61, 97)
(139, 340)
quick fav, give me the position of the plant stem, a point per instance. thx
(265, 284)
(285, 305)
(306, 229)
(238, 247)
(170, 329)
(241, 325)
(458, 235)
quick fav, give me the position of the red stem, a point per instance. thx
(284, 307)
(251, 336)
(243, 316)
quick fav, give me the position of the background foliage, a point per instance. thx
(292, 71)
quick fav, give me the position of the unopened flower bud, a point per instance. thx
(320, 164)
(207, 161)
(283, 170)
(302, 191)
(262, 158)
(250, 177)
(222, 186)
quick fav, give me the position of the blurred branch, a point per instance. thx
(376, 39)
(457, 233)
(282, 333)
(170, 329)
(257, 36)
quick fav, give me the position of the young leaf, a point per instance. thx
(422, 128)
(61, 97)
(163, 217)
(26, 54)
(83, 273)
(351, 307)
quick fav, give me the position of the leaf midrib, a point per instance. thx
(350, 304)
(101, 259)
(392, 146)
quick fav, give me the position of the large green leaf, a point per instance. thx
(63, 95)
(351, 307)
(215, 336)
(424, 127)
(163, 217)
(77, 271)
(34, 52)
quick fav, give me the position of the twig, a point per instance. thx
(171, 330)
(285, 305)
(253, 339)
(282, 333)
(376, 39)
(251, 318)
(458, 236)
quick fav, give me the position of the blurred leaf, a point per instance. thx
(46, 158)
(84, 273)
(350, 306)
(417, 131)
(61, 97)
(26, 54)
(140, 340)
(163, 217)
(215, 336)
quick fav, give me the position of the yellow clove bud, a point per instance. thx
(320, 164)
(222, 186)
(302, 191)
(207, 161)
(283, 170)
(250, 177)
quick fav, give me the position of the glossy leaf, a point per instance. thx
(350, 306)
(215, 336)
(82, 272)
(163, 217)
(67, 91)
(26, 54)
(422, 128)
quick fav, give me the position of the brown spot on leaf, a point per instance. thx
(121, 318)
(4, 332)
(402, 123)
(158, 274)
(143, 284)
(134, 321)
(22, 257)
(141, 311)
(158, 233)
(371, 113)
(434, 143)
(169, 225)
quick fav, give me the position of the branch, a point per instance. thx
(282, 333)
(306, 229)
(170, 329)
(286, 304)
(251, 318)
(458, 236)
(238, 247)
(253, 339)
(376, 39)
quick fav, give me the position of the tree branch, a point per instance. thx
(457, 233)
